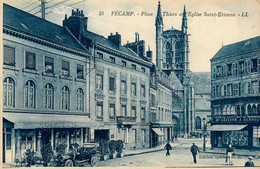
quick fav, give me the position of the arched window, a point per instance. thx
(238, 110)
(249, 110)
(177, 103)
(198, 123)
(29, 94)
(65, 98)
(254, 110)
(168, 55)
(258, 109)
(80, 100)
(8, 92)
(48, 96)
(243, 111)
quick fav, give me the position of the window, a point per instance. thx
(218, 73)
(123, 63)
(214, 72)
(247, 66)
(133, 111)
(234, 68)
(65, 98)
(254, 65)
(112, 110)
(30, 61)
(229, 68)
(198, 123)
(241, 68)
(225, 71)
(112, 84)
(142, 90)
(112, 60)
(217, 88)
(123, 110)
(222, 71)
(29, 94)
(152, 100)
(143, 69)
(235, 90)
(242, 88)
(9, 56)
(254, 87)
(225, 90)
(99, 109)
(80, 100)
(133, 89)
(134, 136)
(134, 66)
(248, 87)
(99, 55)
(8, 92)
(48, 64)
(65, 68)
(123, 87)
(143, 113)
(229, 90)
(99, 82)
(80, 71)
(48, 96)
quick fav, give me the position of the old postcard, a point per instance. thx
(128, 83)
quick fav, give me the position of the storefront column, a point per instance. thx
(52, 138)
(18, 146)
(81, 136)
(86, 135)
(68, 139)
(56, 142)
(13, 144)
(38, 152)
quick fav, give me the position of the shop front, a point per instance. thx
(35, 130)
(238, 135)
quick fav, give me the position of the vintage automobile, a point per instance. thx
(79, 156)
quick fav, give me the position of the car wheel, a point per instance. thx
(94, 161)
(69, 163)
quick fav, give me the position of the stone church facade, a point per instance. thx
(172, 57)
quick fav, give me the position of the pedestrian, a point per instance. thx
(249, 163)
(229, 154)
(168, 147)
(194, 150)
(176, 137)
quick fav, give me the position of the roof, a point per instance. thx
(175, 81)
(23, 22)
(32, 121)
(202, 82)
(237, 48)
(172, 31)
(105, 42)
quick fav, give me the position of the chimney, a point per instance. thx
(76, 23)
(115, 39)
(149, 54)
(136, 37)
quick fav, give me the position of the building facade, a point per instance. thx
(172, 57)
(119, 87)
(45, 91)
(235, 95)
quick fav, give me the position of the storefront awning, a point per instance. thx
(227, 127)
(33, 121)
(158, 131)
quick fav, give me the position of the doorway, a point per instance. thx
(101, 135)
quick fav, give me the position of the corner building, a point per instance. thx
(45, 87)
(235, 95)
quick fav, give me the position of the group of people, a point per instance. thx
(195, 150)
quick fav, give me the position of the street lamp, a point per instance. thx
(204, 134)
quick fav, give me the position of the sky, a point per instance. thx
(207, 32)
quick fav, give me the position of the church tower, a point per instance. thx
(184, 29)
(159, 37)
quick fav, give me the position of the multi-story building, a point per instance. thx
(202, 98)
(120, 85)
(45, 85)
(235, 95)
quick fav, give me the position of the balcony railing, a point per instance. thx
(123, 119)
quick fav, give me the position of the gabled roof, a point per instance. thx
(202, 82)
(23, 22)
(105, 42)
(238, 48)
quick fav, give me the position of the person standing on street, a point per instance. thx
(194, 150)
(250, 163)
(168, 147)
(229, 153)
